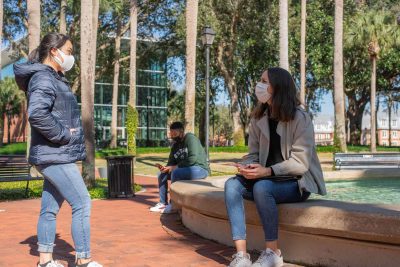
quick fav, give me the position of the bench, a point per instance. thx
(366, 160)
(14, 168)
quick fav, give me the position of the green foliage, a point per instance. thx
(11, 97)
(238, 139)
(132, 123)
(13, 149)
(16, 190)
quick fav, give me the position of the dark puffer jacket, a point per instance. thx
(52, 112)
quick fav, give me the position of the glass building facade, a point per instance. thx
(151, 103)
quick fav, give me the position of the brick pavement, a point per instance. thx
(124, 234)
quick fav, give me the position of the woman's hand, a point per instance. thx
(255, 171)
(168, 169)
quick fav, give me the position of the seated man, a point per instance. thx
(187, 161)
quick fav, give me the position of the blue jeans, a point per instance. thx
(185, 173)
(64, 182)
(266, 194)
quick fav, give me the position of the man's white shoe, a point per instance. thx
(52, 264)
(269, 258)
(94, 264)
(168, 209)
(240, 259)
(159, 207)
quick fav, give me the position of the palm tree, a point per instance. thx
(117, 56)
(63, 22)
(89, 8)
(191, 35)
(133, 52)
(1, 31)
(132, 116)
(303, 52)
(33, 8)
(11, 99)
(340, 122)
(283, 34)
(375, 30)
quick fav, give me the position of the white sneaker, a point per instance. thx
(269, 258)
(94, 264)
(91, 264)
(158, 207)
(168, 209)
(52, 264)
(240, 259)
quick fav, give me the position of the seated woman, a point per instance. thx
(282, 165)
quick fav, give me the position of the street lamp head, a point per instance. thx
(207, 36)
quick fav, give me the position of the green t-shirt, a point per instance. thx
(188, 152)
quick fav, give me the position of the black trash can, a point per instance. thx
(120, 176)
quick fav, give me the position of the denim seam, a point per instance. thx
(81, 218)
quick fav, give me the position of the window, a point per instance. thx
(384, 134)
(394, 123)
(394, 133)
(383, 122)
(384, 143)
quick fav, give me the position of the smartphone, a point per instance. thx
(158, 165)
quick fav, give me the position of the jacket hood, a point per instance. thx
(24, 72)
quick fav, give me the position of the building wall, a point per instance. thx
(17, 129)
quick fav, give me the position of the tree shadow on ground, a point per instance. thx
(173, 225)
(63, 251)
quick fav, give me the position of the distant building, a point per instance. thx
(324, 129)
(382, 129)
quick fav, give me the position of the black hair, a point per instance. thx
(284, 99)
(177, 125)
(49, 41)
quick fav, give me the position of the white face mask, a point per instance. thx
(262, 92)
(68, 61)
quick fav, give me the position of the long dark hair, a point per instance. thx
(51, 40)
(284, 99)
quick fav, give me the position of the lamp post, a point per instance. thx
(207, 38)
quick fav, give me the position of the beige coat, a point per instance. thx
(297, 146)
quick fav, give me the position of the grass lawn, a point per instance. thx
(16, 190)
(20, 148)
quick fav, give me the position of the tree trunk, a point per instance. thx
(372, 105)
(33, 8)
(191, 36)
(114, 113)
(303, 52)
(133, 52)
(88, 61)
(1, 31)
(1, 129)
(339, 104)
(230, 82)
(63, 22)
(389, 107)
(355, 113)
(202, 133)
(283, 35)
(8, 129)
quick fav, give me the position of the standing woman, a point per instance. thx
(282, 165)
(57, 142)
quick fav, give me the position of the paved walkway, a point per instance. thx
(124, 233)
